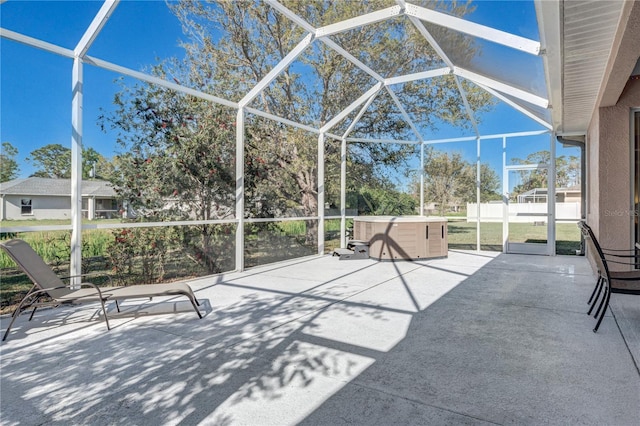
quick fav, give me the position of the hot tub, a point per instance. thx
(403, 237)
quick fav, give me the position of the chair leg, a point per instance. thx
(104, 312)
(602, 302)
(606, 305)
(14, 316)
(117, 306)
(600, 289)
(32, 313)
(595, 289)
(195, 304)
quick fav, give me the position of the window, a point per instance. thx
(25, 206)
(106, 204)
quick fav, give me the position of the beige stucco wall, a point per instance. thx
(609, 180)
(610, 210)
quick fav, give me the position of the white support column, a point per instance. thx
(343, 193)
(76, 172)
(478, 170)
(101, 18)
(551, 198)
(321, 193)
(505, 196)
(91, 208)
(422, 179)
(240, 190)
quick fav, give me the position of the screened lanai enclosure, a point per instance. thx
(240, 133)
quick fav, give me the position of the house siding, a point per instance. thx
(42, 207)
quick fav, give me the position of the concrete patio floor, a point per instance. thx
(476, 338)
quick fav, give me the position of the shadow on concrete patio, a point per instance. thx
(471, 339)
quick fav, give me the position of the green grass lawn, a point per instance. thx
(462, 235)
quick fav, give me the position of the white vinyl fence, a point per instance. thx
(492, 212)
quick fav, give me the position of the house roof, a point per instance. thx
(55, 187)
(558, 190)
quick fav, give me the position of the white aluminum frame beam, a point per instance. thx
(417, 76)
(275, 72)
(292, 16)
(68, 53)
(95, 27)
(404, 114)
(427, 35)
(360, 114)
(311, 29)
(516, 106)
(486, 137)
(502, 87)
(432, 41)
(34, 42)
(398, 141)
(278, 119)
(359, 21)
(348, 56)
(467, 107)
(156, 80)
(477, 30)
(333, 136)
(335, 120)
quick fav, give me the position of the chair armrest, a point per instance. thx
(89, 274)
(46, 290)
(621, 263)
(629, 256)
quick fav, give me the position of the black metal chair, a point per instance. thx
(625, 282)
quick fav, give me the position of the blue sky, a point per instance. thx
(36, 85)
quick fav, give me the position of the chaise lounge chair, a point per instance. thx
(46, 284)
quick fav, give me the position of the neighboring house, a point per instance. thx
(432, 208)
(42, 198)
(563, 195)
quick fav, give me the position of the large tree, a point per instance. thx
(567, 172)
(54, 161)
(447, 178)
(451, 180)
(8, 165)
(234, 45)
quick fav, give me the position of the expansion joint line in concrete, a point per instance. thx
(635, 362)
(417, 401)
